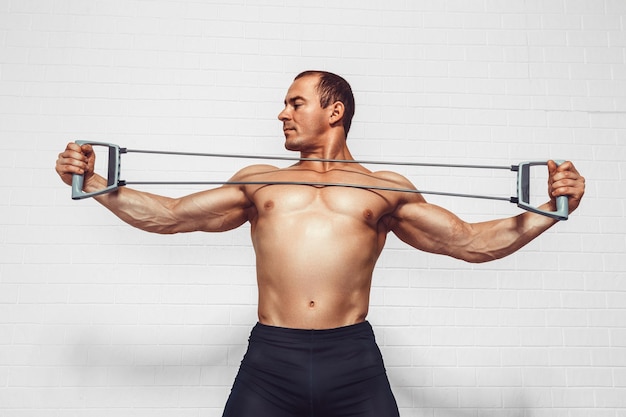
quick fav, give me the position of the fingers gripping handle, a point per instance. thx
(113, 173)
(523, 193)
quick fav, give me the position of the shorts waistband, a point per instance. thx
(273, 332)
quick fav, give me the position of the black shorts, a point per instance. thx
(312, 373)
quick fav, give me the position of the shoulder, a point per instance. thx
(393, 177)
(402, 204)
(253, 170)
(395, 180)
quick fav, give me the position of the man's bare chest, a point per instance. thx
(306, 193)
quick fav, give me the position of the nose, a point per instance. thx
(283, 115)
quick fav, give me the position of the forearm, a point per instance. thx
(145, 211)
(499, 238)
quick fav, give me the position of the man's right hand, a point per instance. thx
(76, 159)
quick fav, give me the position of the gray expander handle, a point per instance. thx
(523, 193)
(113, 174)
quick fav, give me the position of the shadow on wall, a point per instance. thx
(137, 356)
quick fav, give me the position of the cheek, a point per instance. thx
(317, 122)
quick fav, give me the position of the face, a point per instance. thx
(305, 122)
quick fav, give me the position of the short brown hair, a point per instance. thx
(331, 88)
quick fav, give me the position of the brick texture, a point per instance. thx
(99, 319)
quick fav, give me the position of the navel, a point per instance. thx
(312, 304)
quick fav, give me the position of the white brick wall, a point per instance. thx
(98, 319)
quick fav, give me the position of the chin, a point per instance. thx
(291, 146)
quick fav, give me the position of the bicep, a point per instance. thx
(431, 228)
(215, 210)
(222, 208)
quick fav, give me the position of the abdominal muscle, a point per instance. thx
(314, 266)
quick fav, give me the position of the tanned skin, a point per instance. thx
(316, 247)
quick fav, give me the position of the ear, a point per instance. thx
(337, 112)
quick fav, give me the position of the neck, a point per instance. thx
(332, 149)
